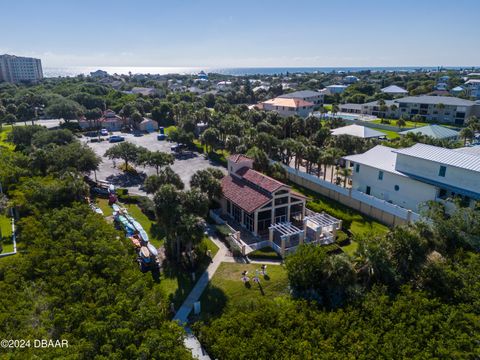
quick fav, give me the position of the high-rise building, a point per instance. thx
(16, 68)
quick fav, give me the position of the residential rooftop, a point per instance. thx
(473, 150)
(435, 100)
(248, 188)
(236, 158)
(394, 89)
(434, 131)
(300, 94)
(380, 157)
(442, 156)
(358, 131)
(288, 102)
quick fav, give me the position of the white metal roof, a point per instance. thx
(435, 131)
(394, 89)
(435, 100)
(473, 150)
(443, 156)
(358, 131)
(380, 157)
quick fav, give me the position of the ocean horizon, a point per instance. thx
(72, 71)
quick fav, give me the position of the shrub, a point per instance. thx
(130, 169)
(266, 253)
(147, 206)
(341, 237)
(223, 231)
(122, 191)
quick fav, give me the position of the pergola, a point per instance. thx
(320, 221)
(285, 230)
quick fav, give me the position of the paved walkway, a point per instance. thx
(187, 306)
(191, 342)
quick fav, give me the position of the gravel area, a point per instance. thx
(185, 164)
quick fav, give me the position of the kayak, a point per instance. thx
(152, 249)
(145, 254)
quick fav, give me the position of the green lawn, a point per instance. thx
(7, 247)
(352, 220)
(413, 124)
(227, 290)
(350, 248)
(151, 227)
(390, 134)
(103, 204)
(408, 123)
(5, 226)
(177, 283)
(328, 107)
(6, 233)
(210, 246)
(155, 234)
(3, 138)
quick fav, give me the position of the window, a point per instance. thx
(396, 187)
(380, 175)
(368, 190)
(442, 171)
(248, 219)
(237, 213)
(357, 168)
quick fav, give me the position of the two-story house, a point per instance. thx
(411, 176)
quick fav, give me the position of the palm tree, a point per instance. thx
(473, 122)
(416, 118)
(335, 109)
(467, 133)
(345, 173)
(401, 123)
(440, 106)
(326, 159)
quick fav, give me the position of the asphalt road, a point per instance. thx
(185, 165)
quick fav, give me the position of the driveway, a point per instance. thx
(185, 165)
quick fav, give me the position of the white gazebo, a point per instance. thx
(323, 228)
(285, 231)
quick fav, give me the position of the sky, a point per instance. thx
(243, 33)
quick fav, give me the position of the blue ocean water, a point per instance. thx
(239, 71)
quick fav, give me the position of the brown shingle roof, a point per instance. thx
(236, 158)
(242, 195)
(257, 178)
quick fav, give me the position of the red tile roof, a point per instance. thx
(242, 195)
(265, 182)
(236, 158)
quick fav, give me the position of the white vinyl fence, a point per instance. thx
(376, 208)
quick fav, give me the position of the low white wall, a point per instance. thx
(378, 209)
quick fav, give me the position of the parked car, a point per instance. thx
(161, 137)
(116, 138)
(104, 132)
(177, 147)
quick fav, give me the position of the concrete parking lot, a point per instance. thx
(185, 165)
